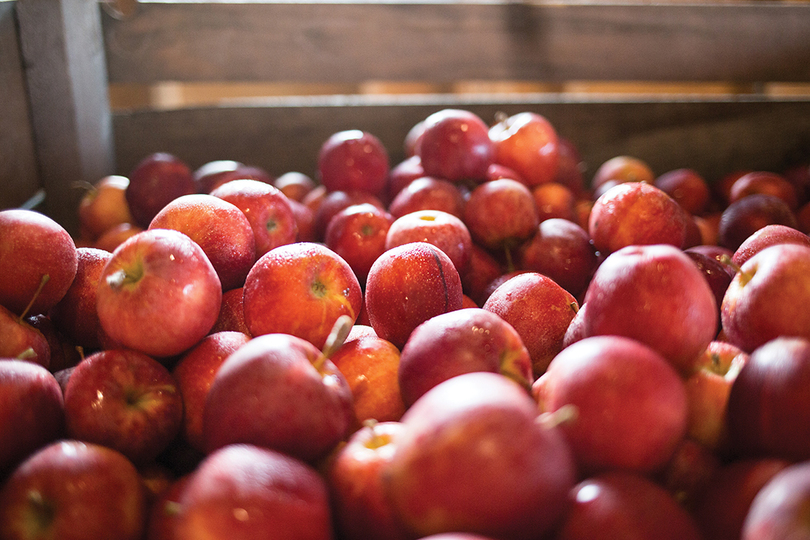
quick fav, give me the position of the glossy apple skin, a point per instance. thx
(336, 201)
(768, 235)
(278, 392)
(158, 293)
(457, 342)
(769, 401)
(656, 295)
(687, 187)
(408, 285)
(103, 206)
(33, 246)
(428, 193)
(501, 213)
(353, 160)
(455, 145)
(266, 208)
(194, 373)
(357, 233)
(620, 504)
(355, 479)
(528, 143)
(715, 272)
(220, 228)
(779, 510)
(231, 313)
(31, 411)
(73, 490)
(445, 231)
(765, 299)
(473, 458)
(636, 213)
(742, 218)
(22, 341)
(767, 182)
(631, 404)
(244, 491)
(300, 289)
(125, 400)
(156, 180)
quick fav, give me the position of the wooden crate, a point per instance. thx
(715, 86)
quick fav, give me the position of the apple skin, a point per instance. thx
(766, 182)
(164, 512)
(22, 341)
(482, 269)
(34, 246)
(621, 504)
(779, 510)
(231, 313)
(501, 214)
(73, 490)
(115, 236)
(455, 145)
(353, 160)
(631, 406)
(295, 185)
(401, 175)
(408, 285)
(278, 391)
(765, 299)
(300, 289)
(461, 341)
(540, 312)
(445, 231)
(473, 457)
(124, 400)
(768, 235)
(251, 493)
(354, 475)
(220, 228)
(656, 295)
(554, 200)
(156, 180)
(194, 373)
(743, 217)
(620, 169)
(158, 293)
(213, 174)
(529, 144)
(768, 403)
(687, 187)
(428, 193)
(103, 206)
(717, 273)
(31, 411)
(357, 233)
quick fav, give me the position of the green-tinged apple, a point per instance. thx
(155, 181)
(353, 160)
(159, 293)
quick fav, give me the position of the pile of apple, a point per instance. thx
(474, 343)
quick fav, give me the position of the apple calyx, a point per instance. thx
(42, 513)
(335, 340)
(122, 277)
(377, 439)
(564, 415)
(42, 282)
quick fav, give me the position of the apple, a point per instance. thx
(576, 328)
(295, 185)
(687, 187)
(158, 293)
(231, 313)
(766, 297)
(742, 218)
(354, 475)
(570, 168)
(539, 310)
(767, 182)
(336, 201)
(37, 261)
(402, 174)
(63, 352)
(496, 171)
(31, 411)
(116, 235)
(765, 237)
(798, 174)
(211, 175)
(554, 200)
(461, 341)
(125, 400)
(445, 231)
(103, 206)
(620, 169)
(455, 145)
(300, 289)
(529, 144)
(482, 269)
(156, 180)
(690, 470)
(656, 295)
(408, 285)
(71, 490)
(220, 228)
(247, 492)
(629, 404)
(358, 234)
(194, 374)
(636, 213)
(428, 193)
(304, 221)
(722, 188)
(473, 457)
(164, 512)
(266, 208)
(353, 160)
(21, 341)
(769, 401)
(501, 214)
(779, 510)
(278, 391)
(622, 504)
(717, 273)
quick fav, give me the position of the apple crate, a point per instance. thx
(716, 86)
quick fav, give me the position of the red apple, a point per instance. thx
(215, 173)
(295, 185)
(528, 143)
(501, 214)
(408, 285)
(767, 236)
(21, 341)
(156, 180)
(63, 352)
(428, 193)
(402, 174)
(231, 313)
(103, 206)
(443, 230)
(73, 490)
(278, 391)
(37, 261)
(764, 182)
(304, 221)
(629, 404)
(716, 272)
(473, 457)
(300, 289)
(455, 145)
(779, 510)
(482, 269)
(690, 470)
(742, 218)
(353, 160)
(357, 233)
(116, 235)
(336, 201)
(620, 169)
(687, 187)
(554, 200)
(124, 400)
(164, 512)
(570, 167)
(159, 293)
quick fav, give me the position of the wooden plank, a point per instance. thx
(67, 83)
(444, 42)
(18, 169)
(714, 136)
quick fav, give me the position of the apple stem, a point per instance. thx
(565, 414)
(574, 307)
(745, 277)
(27, 354)
(42, 282)
(510, 264)
(335, 340)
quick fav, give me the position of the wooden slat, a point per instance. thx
(444, 42)
(18, 170)
(714, 136)
(66, 79)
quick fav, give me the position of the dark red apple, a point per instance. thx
(779, 510)
(231, 313)
(743, 217)
(402, 174)
(358, 233)
(527, 143)
(22, 341)
(687, 187)
(767, 182)
(336, 201)
(213, 174)
(455, 145)
(353, 160)
(156, 180)
(482, 269)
